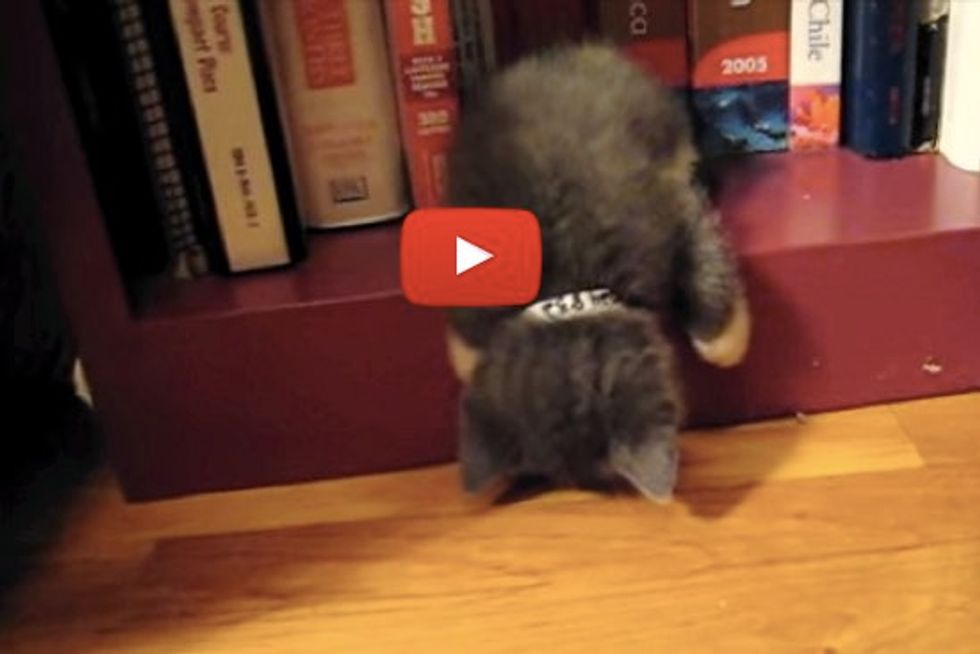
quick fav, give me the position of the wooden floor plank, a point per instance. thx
(847, 442)
(830, 535)
(945, 429)
(865, 601)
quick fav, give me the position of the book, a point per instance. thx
(178, 195)
(93, 65)
(652, 33)
(475, 51)
(879, 76)
(424, 59)
(816, 43)
(225, 73)
(930, 62)
(740, 74)
(341, 111)
(959, 122)
(521, 27)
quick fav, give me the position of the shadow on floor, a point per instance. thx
(49, 447)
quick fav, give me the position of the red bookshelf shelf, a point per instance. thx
(864, 278)
(785, 202)
(771, 203)
(343, 266)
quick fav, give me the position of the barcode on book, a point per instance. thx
(349, 189)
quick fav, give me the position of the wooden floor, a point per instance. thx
(850, 532)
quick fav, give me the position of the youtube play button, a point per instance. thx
(470, 257)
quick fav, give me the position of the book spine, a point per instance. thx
(522, 27)
(274, 126)
(740, 74)
(336, 83)
(183, 130)
(652, 33)
(959, 127)
(422, 50)
(879, 76)
(816, 35)
(188, 256)
(273, 56)
(488, 33)
(93, 68)
(930, 61)
(475, 53)
(256, 213)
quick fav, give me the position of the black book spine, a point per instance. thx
(474, 44)
(185, 137)
(170, 164)
(275, 131)
(929, 69)
(95, 77)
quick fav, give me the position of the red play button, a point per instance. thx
(470, 257)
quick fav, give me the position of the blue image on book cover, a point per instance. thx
(747, 118)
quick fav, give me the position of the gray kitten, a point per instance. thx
(602, 155)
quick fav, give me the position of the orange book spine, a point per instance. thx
(424, 60)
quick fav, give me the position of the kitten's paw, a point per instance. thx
(462, 357)
(728, 348)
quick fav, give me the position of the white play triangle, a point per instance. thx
(469, 256)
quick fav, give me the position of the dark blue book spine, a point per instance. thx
(879, 75)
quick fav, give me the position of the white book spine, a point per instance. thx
(336, 82)
(816, 36)
(959, 123)
(212, 43)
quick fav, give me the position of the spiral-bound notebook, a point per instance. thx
(94, 73)
(172, 192)
(206, 165)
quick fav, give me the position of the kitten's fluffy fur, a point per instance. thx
(602, 156)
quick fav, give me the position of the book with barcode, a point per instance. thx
(336, 86)
(424, 59)
(224, 73)
(816, 43)
(740, 74)
(94, 69)
(879, 76)
(652, 33)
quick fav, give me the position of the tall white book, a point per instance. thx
(240, 137)
(816, 36)
(336, 86)
(959, 123)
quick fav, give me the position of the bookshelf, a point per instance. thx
(863, 276)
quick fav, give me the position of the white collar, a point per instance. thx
(577, 304)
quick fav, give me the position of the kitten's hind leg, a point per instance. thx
(716, 309)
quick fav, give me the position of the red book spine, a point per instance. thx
(522, 27)
(423, 51)
(653, 33)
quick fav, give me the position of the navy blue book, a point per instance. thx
(879, 75)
